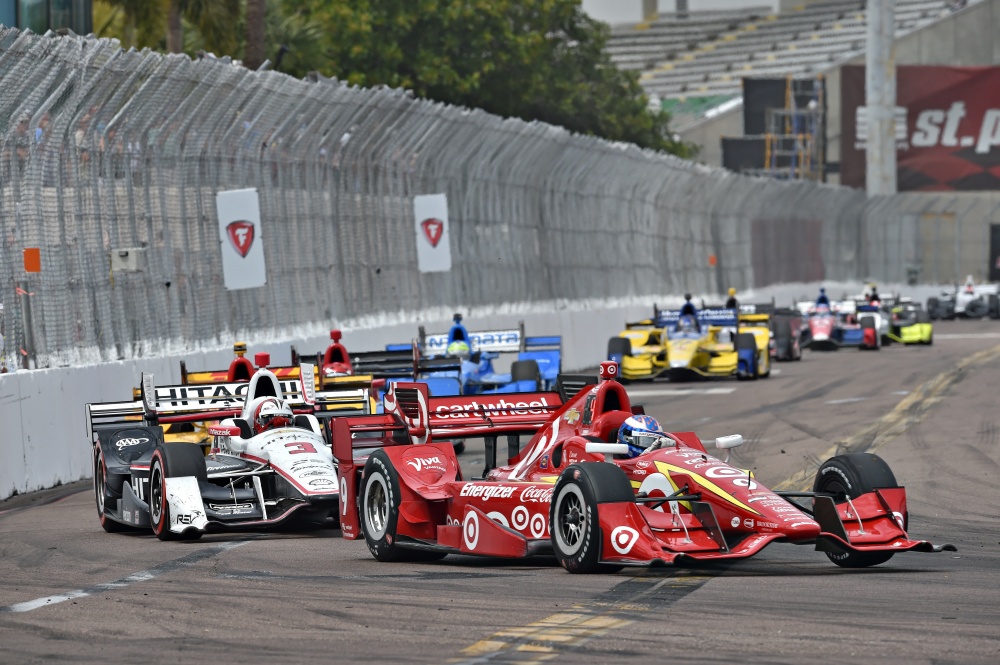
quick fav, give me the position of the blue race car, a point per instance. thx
(460, 362)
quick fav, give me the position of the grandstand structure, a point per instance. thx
(694, 62)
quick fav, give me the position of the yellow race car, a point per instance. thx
(911, 324)
(687, 343)
(640, 350)
(719, 343)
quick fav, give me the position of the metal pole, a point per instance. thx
(880, 98)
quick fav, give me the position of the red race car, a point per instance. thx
(571, 492)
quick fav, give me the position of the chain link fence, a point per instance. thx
(103, 149)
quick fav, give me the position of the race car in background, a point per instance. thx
(460, 362)
(641, 349)
(717, 342)
(709, 344)
(252, 478)
(241, 370)
(911, 323)
(972, 301)
(570, 492)
(843, 323)
(786, 334)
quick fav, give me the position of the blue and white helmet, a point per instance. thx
(639, 433)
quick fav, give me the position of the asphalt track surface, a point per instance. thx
(71, 593)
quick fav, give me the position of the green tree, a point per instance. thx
(533, 59)
(172, 25)
(254, 53)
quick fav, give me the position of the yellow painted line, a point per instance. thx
(546, 639)
(910, 411)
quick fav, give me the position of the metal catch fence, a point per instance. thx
(103, 149)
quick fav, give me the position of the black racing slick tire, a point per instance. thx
(574, 527)
(976, 309)
(102, 494)
(994, 306)
(526, 370)
(380, 500)
(783, 343)
(172, 460)
(852, 475)
(619, 346)
(749, 342)
(932, 309)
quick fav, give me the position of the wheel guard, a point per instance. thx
(186, 507)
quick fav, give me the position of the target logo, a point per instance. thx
(470, 530)
(623, 539)
(537, 525)
(498, 518)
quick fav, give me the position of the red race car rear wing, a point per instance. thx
(412, 413)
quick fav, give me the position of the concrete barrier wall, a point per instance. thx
(43, 430)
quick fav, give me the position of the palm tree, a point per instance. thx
(142, 21)
(254, 54)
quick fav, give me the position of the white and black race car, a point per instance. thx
(249, 480)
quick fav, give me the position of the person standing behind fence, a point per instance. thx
(732, 303)
(22, 143)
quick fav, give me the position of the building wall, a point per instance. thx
(42, 15)
(953, 226)
(631, 11)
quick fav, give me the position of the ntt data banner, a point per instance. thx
(241, 239)
(947, 128)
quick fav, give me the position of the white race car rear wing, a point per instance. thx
(194, 403)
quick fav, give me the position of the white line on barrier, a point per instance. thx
(847, 400)
(141, 576)
(989, 335)
(666, 392)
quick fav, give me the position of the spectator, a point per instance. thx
(732, 303)
(22, 143)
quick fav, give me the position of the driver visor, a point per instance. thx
(644, 439)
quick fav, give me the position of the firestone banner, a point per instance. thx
(947, 128)
(430, 214)
(241, 239)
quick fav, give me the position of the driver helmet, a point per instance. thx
(639, 433)
(459, 348)
(686, 324)
(271, 413)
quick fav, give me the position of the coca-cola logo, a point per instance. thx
(536, 495)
